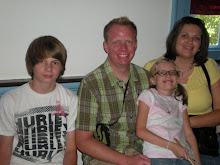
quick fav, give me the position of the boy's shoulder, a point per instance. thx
(18, 90)
(66, 90)
(15, 95)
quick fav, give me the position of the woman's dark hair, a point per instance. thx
(201, 56)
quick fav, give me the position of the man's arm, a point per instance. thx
(70, 157)
(87, 144)
(6, 143)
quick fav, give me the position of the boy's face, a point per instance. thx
(47, 71)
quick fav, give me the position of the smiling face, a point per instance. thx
(188, 41)
(165, 83)
(121, 45)
(46, 72)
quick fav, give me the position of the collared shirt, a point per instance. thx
(101, 96)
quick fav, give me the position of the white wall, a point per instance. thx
(78, 24)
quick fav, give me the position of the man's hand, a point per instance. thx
(136, 160)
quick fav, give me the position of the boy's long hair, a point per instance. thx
(45, 47)
(179, 90)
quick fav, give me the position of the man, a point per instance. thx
(108, 95)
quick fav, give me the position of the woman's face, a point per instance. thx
(188, 41)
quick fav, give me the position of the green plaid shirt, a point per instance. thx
(101, 96)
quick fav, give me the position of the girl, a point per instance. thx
(162, 120)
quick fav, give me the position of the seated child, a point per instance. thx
(39, 116)
(162, 120)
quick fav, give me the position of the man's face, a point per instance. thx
(121, 45)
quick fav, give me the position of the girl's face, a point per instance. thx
(165, 78)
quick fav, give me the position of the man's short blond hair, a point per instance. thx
(120, 21)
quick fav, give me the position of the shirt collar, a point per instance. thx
(112, 77)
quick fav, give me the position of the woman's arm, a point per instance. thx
(6, 143)
(70, 157)
(143, 133)
(212, 118)
(190, 137)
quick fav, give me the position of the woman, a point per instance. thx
(187, 45)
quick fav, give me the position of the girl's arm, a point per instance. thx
(190, 137)
(6, 143)
(70, 157)
(143, 133)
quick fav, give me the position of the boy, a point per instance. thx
(37, 119)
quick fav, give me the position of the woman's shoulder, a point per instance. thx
(212, 67)
(199, 79)
(149, 64)
(211, 63)
(213, 70)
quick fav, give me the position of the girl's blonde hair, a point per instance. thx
(179, 90)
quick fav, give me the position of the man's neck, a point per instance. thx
(122, 73)
(42, 88)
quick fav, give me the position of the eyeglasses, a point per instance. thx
(164, 72)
